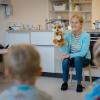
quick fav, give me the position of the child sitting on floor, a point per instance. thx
(23, 65)
(94, 94)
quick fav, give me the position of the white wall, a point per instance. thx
(95, 10)
(28, 12)
(2, 24)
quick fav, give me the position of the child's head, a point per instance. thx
(23, 62)
(96, 52)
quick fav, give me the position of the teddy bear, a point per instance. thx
(58, 35)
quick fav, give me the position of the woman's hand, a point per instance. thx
(64, 56)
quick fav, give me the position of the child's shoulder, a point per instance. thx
(24, 91)
(96, 83)
(93, 91)
(5, 94)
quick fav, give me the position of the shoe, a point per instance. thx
(64, 86)
(79, 88)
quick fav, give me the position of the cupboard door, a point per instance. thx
(42, 38)
(16, 38)
(47, 58)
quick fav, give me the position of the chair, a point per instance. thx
(85, 68)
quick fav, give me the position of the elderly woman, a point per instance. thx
(75, 51)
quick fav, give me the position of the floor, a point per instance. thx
(52, 86)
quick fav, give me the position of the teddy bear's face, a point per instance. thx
(57, 28)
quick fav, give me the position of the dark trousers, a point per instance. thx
(78, 63)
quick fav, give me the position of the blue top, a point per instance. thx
(93, 92)
(84, 42)
(24, 92)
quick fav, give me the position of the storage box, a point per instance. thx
(59, 7)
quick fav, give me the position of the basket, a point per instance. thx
(59, 7)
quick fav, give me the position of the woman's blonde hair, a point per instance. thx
(96, 53)
(23, 60)
(79, 17)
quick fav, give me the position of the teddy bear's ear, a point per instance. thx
(62, 28)
(54, 28)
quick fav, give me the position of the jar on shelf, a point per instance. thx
(77, 7)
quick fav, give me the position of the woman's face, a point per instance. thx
(75, 24)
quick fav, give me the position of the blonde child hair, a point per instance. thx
(23, 65)
(96, 52)
(23, 61)
(94, 93)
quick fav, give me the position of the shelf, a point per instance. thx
(80, 11)
(83, 7)
(70, 11)
(87, 20)
(59, 11)
(82, 2)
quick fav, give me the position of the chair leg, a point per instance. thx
(71, 74)
(83, 75)
(1, 67)
(90, 76)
